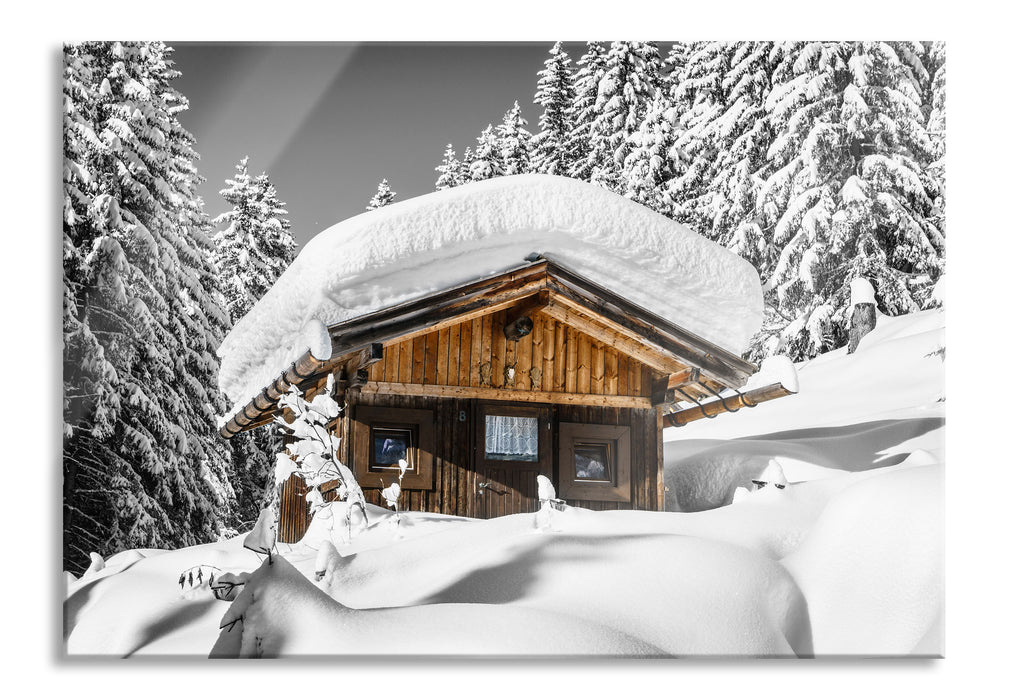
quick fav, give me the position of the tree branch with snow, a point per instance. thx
(312, 456)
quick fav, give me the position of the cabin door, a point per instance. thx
(514, 445)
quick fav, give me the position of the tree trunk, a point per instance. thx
(863, 320)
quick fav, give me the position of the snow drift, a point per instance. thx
(846, 560)
(406, 250)
(855, 412)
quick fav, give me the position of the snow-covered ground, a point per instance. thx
(847, 559)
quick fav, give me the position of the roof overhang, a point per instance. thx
(690, 366)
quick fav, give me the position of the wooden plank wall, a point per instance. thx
(455, 481)
(645, 480)
(294, 518)
(553, 357)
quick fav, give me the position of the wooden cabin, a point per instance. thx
(484, 386)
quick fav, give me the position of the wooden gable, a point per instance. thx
(554, 363)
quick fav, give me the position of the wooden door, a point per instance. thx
(513, 445)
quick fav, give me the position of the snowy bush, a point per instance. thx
(312, 456)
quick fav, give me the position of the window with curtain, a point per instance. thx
(512, 438)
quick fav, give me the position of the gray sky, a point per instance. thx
(328, 121)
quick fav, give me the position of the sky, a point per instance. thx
(328, 121)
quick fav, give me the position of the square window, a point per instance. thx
(593, 461)
(381, 436)
(389, 445)
(511, 438)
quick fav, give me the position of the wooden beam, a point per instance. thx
(604, 306)
(612, 337)
(440, 310)
(529, 305)
(475, 392)
(712, 408)
(662, 387)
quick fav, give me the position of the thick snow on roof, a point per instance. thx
(407, 250)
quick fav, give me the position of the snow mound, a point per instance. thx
(280, 613)
(407, 250)
(872, 567)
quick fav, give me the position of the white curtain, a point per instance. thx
(515, 436)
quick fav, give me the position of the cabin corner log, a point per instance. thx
(712, 408)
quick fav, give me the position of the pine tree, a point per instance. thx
(513, 142)
(723, 144)
(253, 249)
(142, 463)
(384, 195)
(700, 93)
(555, 94)
(591, 67)
(937, 129)
(451, 171)
(744, 134)
(848, 189)
(630, 80)
(466, 172)
(256, 245)
(486, 161)
(648, 166)
(673, 65)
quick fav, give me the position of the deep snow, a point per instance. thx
(845, 560)
(852, 413)
(438, 240)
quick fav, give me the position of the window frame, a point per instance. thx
(420, 455)
(618, 488)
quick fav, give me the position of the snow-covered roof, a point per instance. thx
(404, 251)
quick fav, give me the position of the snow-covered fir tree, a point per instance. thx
(937, 127)
(486, 161)
(815, 161)
(255, 246)
(591, 67)
(723, 145)
(744, 133)
(466, 174)
(630, 80)
(383, 195)
(848, 189)
(555, 95)
(701, 97)
(513, 142)
(450, 172)
(673, 64)
(251, 251)
(649, 163)
(142, 463)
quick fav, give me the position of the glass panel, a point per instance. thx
(592, 461)
(390, 445)
(512, 438)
